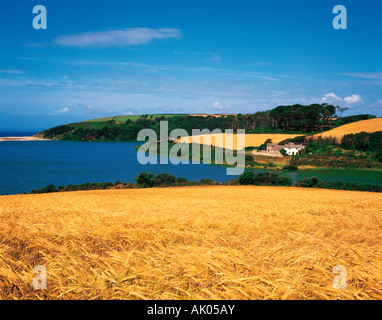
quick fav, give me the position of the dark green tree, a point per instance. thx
(145, 179)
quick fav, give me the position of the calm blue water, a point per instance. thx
(35, 164)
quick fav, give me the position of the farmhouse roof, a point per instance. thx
(294, 145)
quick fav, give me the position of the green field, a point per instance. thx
(131, 117)
(151, 116)
(100, 123)
(98, 120)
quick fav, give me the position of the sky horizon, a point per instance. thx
(98, 59)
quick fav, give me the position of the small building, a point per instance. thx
(293, 149)
(272, 147)
(271, 150)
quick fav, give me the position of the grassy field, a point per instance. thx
(192, 243)
(371, 125)
(98, 120)
(251, 140)
(130, 117)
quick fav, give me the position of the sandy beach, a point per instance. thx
(21, 139)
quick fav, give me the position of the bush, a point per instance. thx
(207, 182)
(247, 178)
(48, 189)
(181, 181)
(266, 178)
(145, 179)
(102, 185)
(164, 179)
(248, 157)
(363, 141)
(272, 179)
(285, 181)
(312, 182)
(290, 168)
(299, 139)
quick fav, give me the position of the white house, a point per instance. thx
(293, 148)
(273, 150)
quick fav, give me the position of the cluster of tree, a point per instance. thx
(364, 141)
(85, 186)
(348, 160)
(148, 180)
(56, 131)
(290, 168)
(368, 145)
(303, 118)
(143, 180)
(314, 182)
(271, 179)
(320, 144)
(355, 118)
(110, 131)
(295, 118)
(264, 179)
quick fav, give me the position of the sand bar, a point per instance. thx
(21, 139)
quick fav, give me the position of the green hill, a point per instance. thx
(297, 119)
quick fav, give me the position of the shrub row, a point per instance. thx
(148, 180)
(264, 179)
(314, 182)
(85, 186)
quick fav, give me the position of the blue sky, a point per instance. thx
(105, 58)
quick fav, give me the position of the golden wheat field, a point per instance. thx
(218, 242)
(230, 141)
(371, 125)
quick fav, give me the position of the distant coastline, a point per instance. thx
(36, 137)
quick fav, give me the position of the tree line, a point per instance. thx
(148, 180)
(295, 118)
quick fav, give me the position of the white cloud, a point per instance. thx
(365, 75)
(333, 98)
(63, 110)
(217, 106)
(89, 108)
(330, 96)
(125, 37)
(353, 99)
(10, 71)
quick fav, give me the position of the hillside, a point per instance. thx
(294, 120)
(370, 125)
(255, 140)
(192, 243)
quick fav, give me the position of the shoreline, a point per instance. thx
(301, 168)
(313, 168)
(26, 138)
(192, 184)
